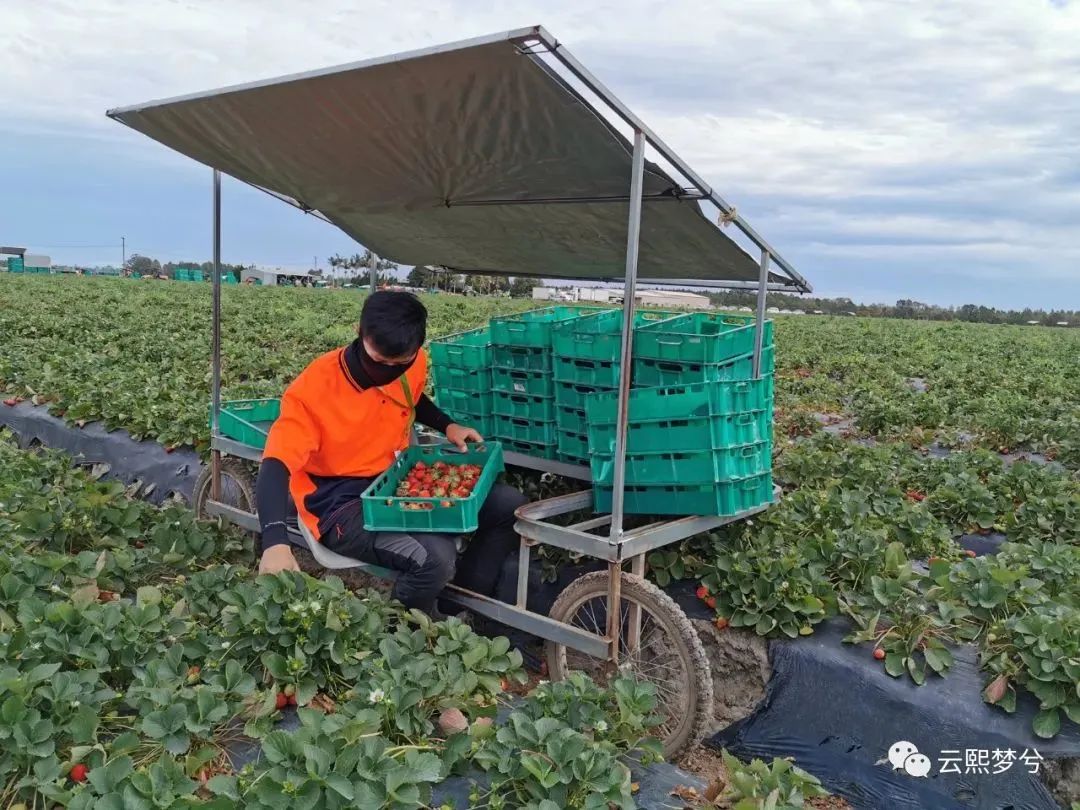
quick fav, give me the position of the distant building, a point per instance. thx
(672, 299)
(543, 293)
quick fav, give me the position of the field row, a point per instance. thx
(137, 355)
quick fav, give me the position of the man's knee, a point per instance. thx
(440, 563)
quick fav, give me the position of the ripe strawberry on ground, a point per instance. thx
(879, 653)
(78, 772)
(721, 623)
(702, 592)
(711, 602)
(281, 700)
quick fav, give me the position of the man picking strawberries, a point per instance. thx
(342, 422)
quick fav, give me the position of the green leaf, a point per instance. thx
(148, 595)
(939, 659)
(223, 785)
(1046, 723)
(341, 785)
(894, 664)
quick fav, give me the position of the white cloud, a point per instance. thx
(864, 129)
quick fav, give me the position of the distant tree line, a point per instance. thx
(904, 308)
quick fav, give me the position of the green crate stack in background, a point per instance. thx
(586, 360)
(461, 368)
(702, 449)
(523, 379)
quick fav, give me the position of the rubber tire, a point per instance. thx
(232, 468)
(675, 625)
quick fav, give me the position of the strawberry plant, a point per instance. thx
(757, 784)
(1039, 650)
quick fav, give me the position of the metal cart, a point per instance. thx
(605, 622)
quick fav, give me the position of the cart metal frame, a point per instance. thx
(620, 546)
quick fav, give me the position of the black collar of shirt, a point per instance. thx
(354, 369)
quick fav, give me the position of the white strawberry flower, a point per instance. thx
(376, 696)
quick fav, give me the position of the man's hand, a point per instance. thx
(278, 558)
(459, 434)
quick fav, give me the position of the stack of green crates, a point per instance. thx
(585, 361)
(522, 376)
(699, 347)
(703, 449)
(461, 366)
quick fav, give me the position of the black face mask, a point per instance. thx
(380, 374)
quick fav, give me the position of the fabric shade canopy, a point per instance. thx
(476, 156)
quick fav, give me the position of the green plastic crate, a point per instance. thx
(524, 430)
(521, 358)
(574, 445)
(570, 419)
(548, 451)
(466, 350)
(537, 383)
(385, 512)
(599, 336)
(683, 401)
(533, 328)
(248, 421)
(650, 373)
(485, 425)
(687, 467)
(597, 373)
(571, 395)
(523, 406)
(687, 434)
(462, 379)
(454, 399)
(700, 337)
(728, 498)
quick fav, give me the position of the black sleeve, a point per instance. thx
(430, 415)
(272, 502)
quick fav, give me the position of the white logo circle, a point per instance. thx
(917, 765)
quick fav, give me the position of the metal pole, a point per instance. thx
(759, 329)
(374, 271)
(627, 347)
(123, 252)
(215, 351)
(633, 234)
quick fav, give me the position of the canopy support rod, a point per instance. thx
(594, 84)
(633, 233)
(619, 198)
(759, 328)
(374, 264)
(215, 349)
(772, 286)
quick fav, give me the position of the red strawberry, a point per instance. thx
(78, 772)
(11, 402)
(879, 653)
(292, 700)
(721, 623)
(702, 592)
(969, 552)
(504, 684)
(281, 700)
(711, 603)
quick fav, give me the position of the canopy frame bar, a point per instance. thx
(560, 52)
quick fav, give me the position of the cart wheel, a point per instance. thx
(669, 655)
(237, 488)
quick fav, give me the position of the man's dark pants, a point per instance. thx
(427, 561)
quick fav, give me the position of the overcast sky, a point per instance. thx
(887, 149)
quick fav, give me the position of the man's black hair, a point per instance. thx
(394, 322)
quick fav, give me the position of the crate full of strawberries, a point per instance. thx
(433, 488)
